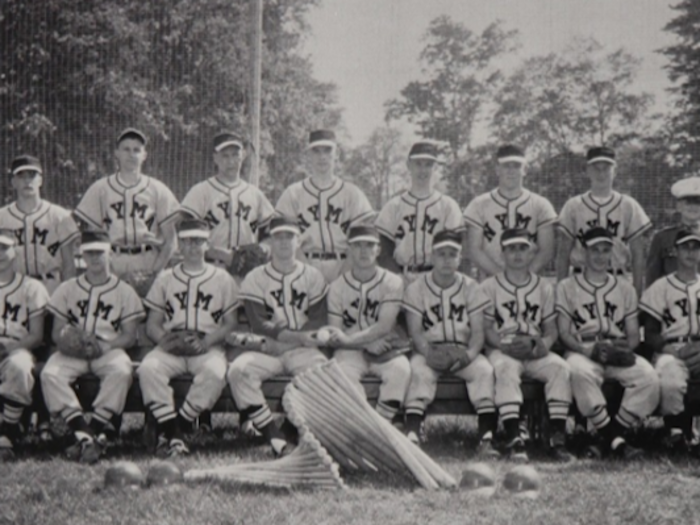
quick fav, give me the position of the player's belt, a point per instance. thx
(44, 276)
(578, 269)
(332, 256)
(598, 337)
(685, 339)
(417, 268)
(200, 334)
(132, 250)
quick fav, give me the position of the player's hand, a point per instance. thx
(519, 347)
(338, 339)
(308, 339)
(539, 349)
(378, 347)
(463, 362)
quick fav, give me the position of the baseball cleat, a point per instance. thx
(486, 450)
(176, 448)
(6, 451)
(558, 450)
(516, 451)
(90, 451)
(627, 452)
(675, 444)
(413, 438)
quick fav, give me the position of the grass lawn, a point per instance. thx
(40, 489)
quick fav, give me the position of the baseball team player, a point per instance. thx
(602, 206)
(99, 303)
(445, 306)
(21, 331)
(661, 258)
(595, 306)
(136, 210)
(45, 232)
(200, 298)
(285, 301)
(325, 206)
(237, 212)
(671, 322)
(521, 327)
(363, 305)
(508, 206)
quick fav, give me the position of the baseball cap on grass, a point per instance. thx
(226, 139)
(132, 133)
(510, 153)
(95, 240)
(447, 238)
(193, 228)
(597, 235)
(513, 236)
(687, 188)
(321, 137)
(685, 236)
(424, 150)
(284, 224)
(600, 154)
(363, 233)
(25, 163)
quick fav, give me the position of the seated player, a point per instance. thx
(521, 327)
(596, 307)
(199, 300)
(22, 326)
(363, 304)
(672, 330)
(107, 310)
(285, 302)
(445, 306)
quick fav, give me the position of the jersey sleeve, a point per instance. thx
(631, 301)
(453, 215)
(639, 221)
(386, 220)
(563, 306)
(477, 301)
(252, 288)
(89, 208)
(156, 297)
(230, 292)
(472, 214)
(318, 288)
(547, 214)
(193, 203)
(265, 209)
(132, 309)
(167, 204)
(412, 297)
(548, 301)
(335, 297)
(37, 298)
(653, 300)
(285, 204)
(487, 289)
(58, 304)
(394, 289)
(567, 221)
(362, 210)
(67, 229)
(654, 268)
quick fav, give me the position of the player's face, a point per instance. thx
(27, 183)
(95, 260)
(321, 160)
(363, 254)
(510, 174)
(518, 256)
(601, 173)
(446, 260)
(284, 245)
(421, 170)
(689, 208)
(7, 256)
(688, 254)
(598, 256)
(193, 248)
(229, 160)
(131, 154)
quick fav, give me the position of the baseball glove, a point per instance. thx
(140, 281)
(247, 257)
(74, 342)
(613, 353)
(690, 354)
(520, 347)
(394, 344)
(447, 357)
(184, 343)
(246, 341)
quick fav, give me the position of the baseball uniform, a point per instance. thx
(523, 309)
(40, 235)
(100, 310)
(325, 217)
(196, 303)
(493, 213)
(599, 312)
(410, 223)
(357, 305)
(286, 299)
(132, 215)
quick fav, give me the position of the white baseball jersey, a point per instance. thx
(358, 304)
(596, 309)
(286, 297)
(193, 302)
(39, 236)
(621, 215)
(493, 213)
(23, 298)
(325, 216)
(675, 305)
(412, 222)
(518, 309)
(97, 309)
(445, 311)
(234, 213)
(128, 213)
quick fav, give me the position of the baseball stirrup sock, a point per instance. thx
(12, 412)
(261, 417)
(487, 423)
(599, 418)
(414, 419)
(388, 409)
(558, 409)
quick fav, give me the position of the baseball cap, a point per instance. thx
(321, 137)
(95, 240)
(447, 238)
(516, 236)
(424, 150)
(510, 153)
(25, 163)
(132, 133)
(686, 188)
(226, 138)
(193, 228)
(7, 237)
(597, 235)
(363, 233)
(284, 224)
(685, 236)
(600, 154)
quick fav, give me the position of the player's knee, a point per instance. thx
(482, 367)
(149, 369)
(19, 365)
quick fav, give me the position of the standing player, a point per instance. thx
(325, 206)
(363, 304)
(201, 299)
(602, 206)
(521, 327)
(672, 322)
(508, 206)
(596, 306)
(135, 209)
(408, 222)
(100, 304)
(285, 301)
(445, 306)
(22, 330)
(236, 212)
(661, 259)
(45, 232)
